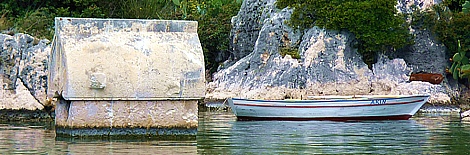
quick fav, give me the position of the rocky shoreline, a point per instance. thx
(25, 115)
(328, 65)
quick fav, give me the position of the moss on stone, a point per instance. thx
(293, 52)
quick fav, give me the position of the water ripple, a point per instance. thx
(423, 134)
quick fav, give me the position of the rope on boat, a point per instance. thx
(223, 105)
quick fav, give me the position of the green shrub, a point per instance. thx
(451, 25)
(36, 23)
(4, 22)
(375, 23)
(147, 9)
(36, 17)
(460, 64)
(214, 29)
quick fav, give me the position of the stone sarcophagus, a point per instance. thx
(145, 76)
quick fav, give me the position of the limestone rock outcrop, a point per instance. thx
(23, 71)
(329, 64)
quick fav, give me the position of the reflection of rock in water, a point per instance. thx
(23, 139)
(434, 121)
(131, 148)
(40, 138)
(428, 108)
(8, 115)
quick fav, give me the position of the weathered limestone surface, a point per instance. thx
(111, 59)
(426, 47)
(18, 98)
(127, 114)
(23, 71)
(329, 64)
(126, 77)
(246, 31)
(138, 117)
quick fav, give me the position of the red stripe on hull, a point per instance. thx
(395, 117)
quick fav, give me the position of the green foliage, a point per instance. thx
(176, 2)
(4, 23)
(466, 7)
(214, 29)
(375, 23)
(449, 27)
(36, 17)
(147, 9)
(454, 5)
(36, 23)
(460, 67)
(293, 52)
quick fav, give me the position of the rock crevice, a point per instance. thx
(23, 71)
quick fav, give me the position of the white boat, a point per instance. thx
(335, 108)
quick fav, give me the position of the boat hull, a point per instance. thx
(365, 108)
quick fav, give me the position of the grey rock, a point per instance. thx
(426, 47)
(327, 59)
(426, 55)
(247, 25)
(328, 56)
(395, 70)
(408, 6)
(24, 58)
(329, 63)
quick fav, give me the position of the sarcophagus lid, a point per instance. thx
(126, 59)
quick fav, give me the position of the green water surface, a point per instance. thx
(220, 133)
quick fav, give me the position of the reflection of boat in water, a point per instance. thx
(328, 137)
(372, 107)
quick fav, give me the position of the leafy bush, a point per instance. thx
(147, 9)
(460, 66)
(4, 23)
(36, 17)
(448, 26)
(451, 25)
(214, 30)
(375, 23)
(36, 23)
